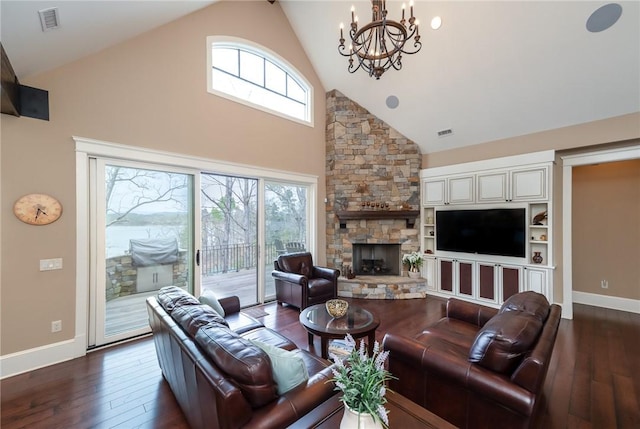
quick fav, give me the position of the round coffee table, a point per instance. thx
(358, 322)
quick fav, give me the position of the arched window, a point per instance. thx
(251, 74)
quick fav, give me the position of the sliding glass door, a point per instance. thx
(188, 222)
(286, 220)
(228, 255)
(143, 232)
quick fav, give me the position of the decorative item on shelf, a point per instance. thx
(430, 220)
(362, 188)
(347, 271)
(379, 45)
(337, 307)
(537, 257)
(539, 218)
(362, 380)
(431, 233)
(428, 251)
(414, 260)
(543, 237)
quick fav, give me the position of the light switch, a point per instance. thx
(50, 264)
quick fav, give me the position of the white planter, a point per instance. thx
(354, 420)
(414, 274)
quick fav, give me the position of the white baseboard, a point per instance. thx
(39, 357)
(606, 301)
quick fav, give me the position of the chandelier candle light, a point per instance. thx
(379, 45)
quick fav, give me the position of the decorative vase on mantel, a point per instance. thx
(355, 420)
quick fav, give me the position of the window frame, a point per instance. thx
(268, 55)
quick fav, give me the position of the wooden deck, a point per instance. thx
(130, 312)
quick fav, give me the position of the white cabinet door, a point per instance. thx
(430, 273)
(460, 190)
(536, 280)
(433, 192)
(529, 184)
(493, 187)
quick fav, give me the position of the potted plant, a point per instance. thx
(414, 260)
(362, 380)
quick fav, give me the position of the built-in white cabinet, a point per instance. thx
(522, 181)
(448, 190)
(512, 185)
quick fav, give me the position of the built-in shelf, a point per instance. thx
(408, 215)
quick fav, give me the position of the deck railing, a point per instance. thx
(235, 257)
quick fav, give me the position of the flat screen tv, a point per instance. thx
(487, 231)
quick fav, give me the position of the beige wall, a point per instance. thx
(617, 129)
(150, 92)
(606, 228)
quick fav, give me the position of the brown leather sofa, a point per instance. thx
(479, 367)
(219, 378)
(300, 283)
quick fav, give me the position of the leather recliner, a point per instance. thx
(299, 283)
(479, 367)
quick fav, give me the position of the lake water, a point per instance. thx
(118, 236)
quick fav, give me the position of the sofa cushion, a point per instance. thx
(288, 367)
(209, 298)
(451, 330)
(504, 339)
(246, 364)
(528, 302)
(171, 296)
(193, 317)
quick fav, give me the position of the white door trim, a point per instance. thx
(568, 162)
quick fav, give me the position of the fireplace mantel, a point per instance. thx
(408, 215)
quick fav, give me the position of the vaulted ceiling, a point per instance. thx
(494, 70)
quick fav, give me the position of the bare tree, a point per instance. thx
(129, 189)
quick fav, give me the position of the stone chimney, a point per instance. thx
(367, 161)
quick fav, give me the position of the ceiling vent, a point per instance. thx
(445, 133)
(49, 19)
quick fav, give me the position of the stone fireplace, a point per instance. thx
(376, 259)
(373, 197)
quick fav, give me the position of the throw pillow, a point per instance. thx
(288, 367)
(209, 298)
(504, 339)
(528, 302)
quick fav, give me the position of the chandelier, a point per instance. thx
(379, 45)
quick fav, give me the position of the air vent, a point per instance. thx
(445, 133)
(49, 19)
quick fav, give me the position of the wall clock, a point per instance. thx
(37, 209)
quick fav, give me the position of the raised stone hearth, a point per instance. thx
(382, 287)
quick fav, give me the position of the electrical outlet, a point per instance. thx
(56, 326)
(604, 284)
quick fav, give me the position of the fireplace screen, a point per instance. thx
(376, 259)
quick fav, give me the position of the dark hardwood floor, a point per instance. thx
(593, 381)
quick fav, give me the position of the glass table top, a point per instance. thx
(356, 318)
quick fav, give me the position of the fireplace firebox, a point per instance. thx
(376, 259)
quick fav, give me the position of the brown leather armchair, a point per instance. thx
(300, 283)
(479, 367)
